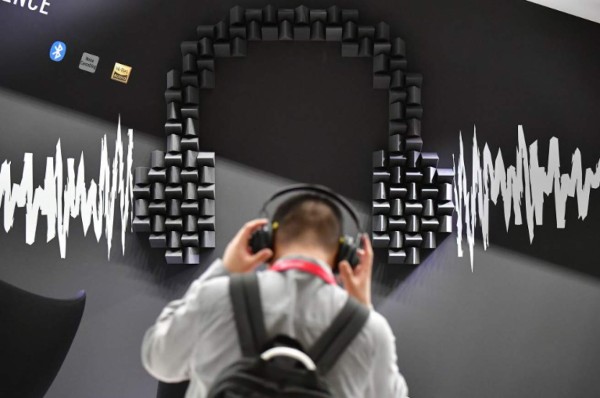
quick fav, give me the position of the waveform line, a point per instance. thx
(59, 202)
(526, 178)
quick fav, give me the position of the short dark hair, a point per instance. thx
(311, 218)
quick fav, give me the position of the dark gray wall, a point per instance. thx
(515, 327)
(493, 64)
(521, 325)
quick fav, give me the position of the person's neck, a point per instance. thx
(306, 251)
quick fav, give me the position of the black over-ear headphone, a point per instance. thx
(348, 246)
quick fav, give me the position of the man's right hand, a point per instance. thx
(357, 281)
(238, 257)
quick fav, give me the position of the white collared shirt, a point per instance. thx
(195, 337)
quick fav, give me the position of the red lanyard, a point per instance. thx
(304, 266)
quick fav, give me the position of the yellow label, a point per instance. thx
(121, 73)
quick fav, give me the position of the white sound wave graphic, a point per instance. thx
(59, 202)
(526, 178)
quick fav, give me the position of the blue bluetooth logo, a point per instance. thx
(58, 51)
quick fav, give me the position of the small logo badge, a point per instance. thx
(89, 62)
(121, 73)
(58, 50)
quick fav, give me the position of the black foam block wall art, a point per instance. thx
(175, 197)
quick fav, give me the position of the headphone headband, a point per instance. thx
(320, 189)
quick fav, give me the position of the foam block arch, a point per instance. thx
(175, 197)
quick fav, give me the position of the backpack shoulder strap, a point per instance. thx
(344, 328)
(247, 310)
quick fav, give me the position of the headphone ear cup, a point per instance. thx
(347, 252)
(261, 239)
(353, 256)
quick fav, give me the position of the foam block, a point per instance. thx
(207, 207)
(380, 241)
(380, 223)
(158, 241)
(396, 257)
(207, 239)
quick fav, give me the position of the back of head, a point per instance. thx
(308, 219)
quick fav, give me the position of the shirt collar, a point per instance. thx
(320, 263)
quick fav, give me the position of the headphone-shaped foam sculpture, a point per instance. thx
(175, 197)
(348, 246)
